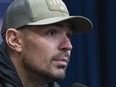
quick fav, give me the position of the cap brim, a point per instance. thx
(79, 23)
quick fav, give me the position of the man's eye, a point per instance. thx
(69, 35)
(52, 32)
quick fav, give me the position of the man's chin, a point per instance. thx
(59, 77)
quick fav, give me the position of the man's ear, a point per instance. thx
(12, 39)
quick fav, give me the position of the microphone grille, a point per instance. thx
(78, 85)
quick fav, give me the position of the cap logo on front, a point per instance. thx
(56, 5)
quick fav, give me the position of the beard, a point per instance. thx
(36, 71)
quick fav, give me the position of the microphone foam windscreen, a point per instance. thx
(78, 85)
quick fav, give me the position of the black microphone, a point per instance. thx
(78, 85)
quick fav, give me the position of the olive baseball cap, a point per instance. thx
(41, 12)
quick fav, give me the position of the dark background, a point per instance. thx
(93, 59)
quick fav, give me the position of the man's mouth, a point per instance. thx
(62, 61)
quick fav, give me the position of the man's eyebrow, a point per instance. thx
(61, 25)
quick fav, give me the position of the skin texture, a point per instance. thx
(40, 53)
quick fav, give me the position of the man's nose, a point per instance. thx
(65, 44)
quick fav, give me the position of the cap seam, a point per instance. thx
(29, 8)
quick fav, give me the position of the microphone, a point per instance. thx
(78, 85)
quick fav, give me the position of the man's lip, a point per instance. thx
(64, 59)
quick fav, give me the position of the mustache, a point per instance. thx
(61, 55)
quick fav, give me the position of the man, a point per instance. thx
(36, 42)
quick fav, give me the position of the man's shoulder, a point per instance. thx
(5, 85)
(1, 85)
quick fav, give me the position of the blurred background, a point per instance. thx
(93, 59)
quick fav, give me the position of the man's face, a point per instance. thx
(46, 50)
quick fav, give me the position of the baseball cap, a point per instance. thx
(41, 12)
